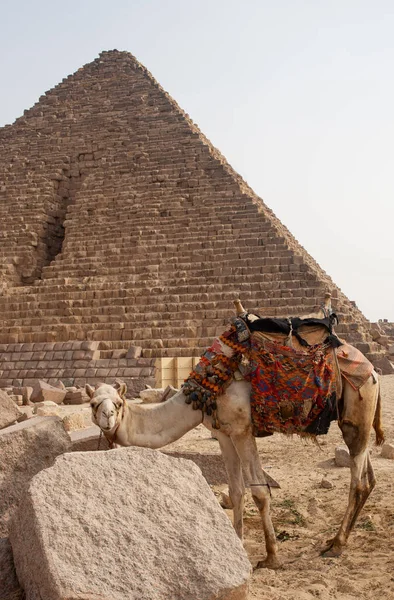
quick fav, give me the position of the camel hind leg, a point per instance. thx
(356, 421)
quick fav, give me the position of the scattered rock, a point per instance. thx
(23, 417)
(342, 456)
(151, 395)
(48, 412)
(314, 506)
(60, 385)
(225, 500)
(25, 449)
(68, 382)
(26, 394)
(387, 451)
(43, 391)
(46, 409)
(17, 399)
(73, 422)
(155, 551)
(9, 412)
(28, 411)
(76, 397)
(326, 484)
(385, 365)
(45, 403)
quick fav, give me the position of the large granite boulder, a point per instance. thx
(129, 524)
(9, 412)
(9, 585)
(25, 449)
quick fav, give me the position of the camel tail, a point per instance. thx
(377, 421)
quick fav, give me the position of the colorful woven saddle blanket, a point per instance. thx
(294, 389)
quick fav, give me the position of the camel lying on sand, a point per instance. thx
(156, 425)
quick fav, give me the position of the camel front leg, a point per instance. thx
(246, 447)
(236, 486)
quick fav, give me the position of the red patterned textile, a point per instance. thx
(291, 390)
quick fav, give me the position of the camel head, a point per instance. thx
(107, 403)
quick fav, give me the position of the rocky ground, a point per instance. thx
(305, 514)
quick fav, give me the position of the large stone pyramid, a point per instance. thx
(122, 226)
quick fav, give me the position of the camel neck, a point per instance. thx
(156, 425)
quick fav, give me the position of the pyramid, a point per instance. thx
(123, 227)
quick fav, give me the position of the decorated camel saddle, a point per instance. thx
(295, 367)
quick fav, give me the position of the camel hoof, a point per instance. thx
(271, 562)
(331, 550)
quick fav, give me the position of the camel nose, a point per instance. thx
(108, 415)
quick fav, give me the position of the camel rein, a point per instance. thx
(260, 485)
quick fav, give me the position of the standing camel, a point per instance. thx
(156, 425)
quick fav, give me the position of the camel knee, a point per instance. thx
(355, 441)
(262, 499)
(236, 495)
(361, 492)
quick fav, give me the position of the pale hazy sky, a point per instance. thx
(297, 95)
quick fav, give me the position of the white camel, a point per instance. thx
(156, 425)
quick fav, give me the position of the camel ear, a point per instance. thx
(120, 387)
(89, 390)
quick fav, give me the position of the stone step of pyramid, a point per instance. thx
(136, 334)
(147, 291)
(149, 308)
(229, 263)
(152, 305)
(188, 258)
(197, 314)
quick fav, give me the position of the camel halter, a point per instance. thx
(111, 441)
